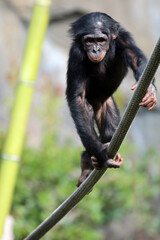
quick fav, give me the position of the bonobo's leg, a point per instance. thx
(107, 119)
(86, 167)
(86, 162)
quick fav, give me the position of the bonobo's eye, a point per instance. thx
(89, 41)
(101, 40)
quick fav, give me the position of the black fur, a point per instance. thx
(90, 85)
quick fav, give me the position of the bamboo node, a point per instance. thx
(14, 158)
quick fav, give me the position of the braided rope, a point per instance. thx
(115, 144)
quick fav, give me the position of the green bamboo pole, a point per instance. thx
(14, 142)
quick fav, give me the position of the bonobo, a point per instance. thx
(101, 52)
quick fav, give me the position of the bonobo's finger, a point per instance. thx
(134, 86)
(93, 158)
(112, 164)
(95, 163)
(115, 163)
(147, 95)
(145, 104)
(97, 166)
(150, 99)
(149, 103)
(83, 176)
(119, 159)
(79, 182)
(106, 144)
(146, 100)
(153, 105)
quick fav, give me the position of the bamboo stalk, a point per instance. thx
(14, 142)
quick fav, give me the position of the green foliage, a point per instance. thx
(48, 176)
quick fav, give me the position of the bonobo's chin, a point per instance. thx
(96, 59)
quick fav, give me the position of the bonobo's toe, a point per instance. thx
(83, 176)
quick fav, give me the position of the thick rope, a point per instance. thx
(115, 144)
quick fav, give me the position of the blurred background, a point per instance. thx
(125, 204)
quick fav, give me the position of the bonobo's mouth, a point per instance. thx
(96, 58)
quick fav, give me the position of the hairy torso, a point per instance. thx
(104, 79)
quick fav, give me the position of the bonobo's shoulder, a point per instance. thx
(76, 50)
(124, 38)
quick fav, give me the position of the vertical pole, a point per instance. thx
(14, 142)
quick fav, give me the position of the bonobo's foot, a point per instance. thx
(86, 167)
(85, 173)
(110, 163)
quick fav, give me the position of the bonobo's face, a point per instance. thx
(96, 46)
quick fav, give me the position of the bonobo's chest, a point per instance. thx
(104, 80)
(100, 88)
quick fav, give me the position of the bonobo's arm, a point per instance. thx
(75, 92)
(136, 60)
(132, 56)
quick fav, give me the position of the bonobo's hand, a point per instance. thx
(105, 161)
(150, 99)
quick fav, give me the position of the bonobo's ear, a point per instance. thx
(115, 30)
(114, 36)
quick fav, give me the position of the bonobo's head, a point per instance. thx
(96, 45)
(95, 31)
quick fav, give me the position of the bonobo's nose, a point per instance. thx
(96, 49)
